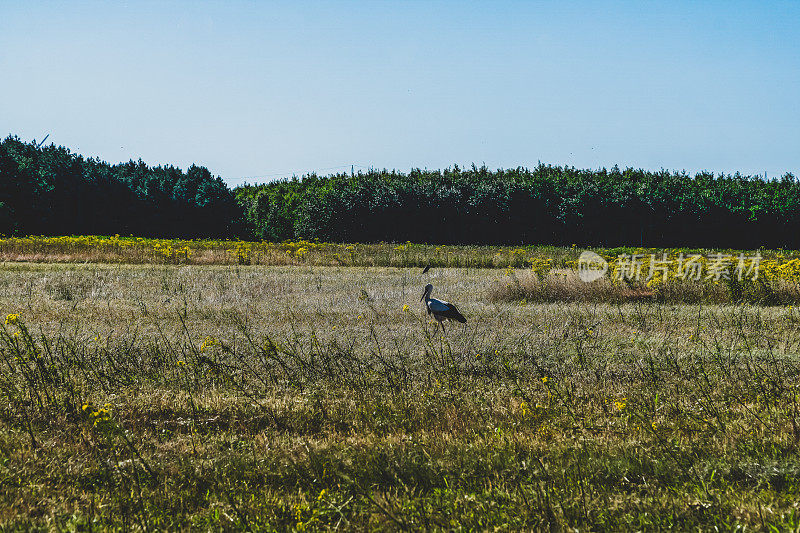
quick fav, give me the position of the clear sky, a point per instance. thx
(274, 88)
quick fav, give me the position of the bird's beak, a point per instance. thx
(423, 296)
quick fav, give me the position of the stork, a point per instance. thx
(440, 309)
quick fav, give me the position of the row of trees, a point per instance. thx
(50, 191)
(544, 205)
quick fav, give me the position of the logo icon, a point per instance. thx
(591, 266)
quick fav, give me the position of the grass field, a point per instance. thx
(161, 396)
(532, 273)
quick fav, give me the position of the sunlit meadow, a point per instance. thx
(259, 386)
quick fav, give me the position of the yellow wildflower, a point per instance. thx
(208, 342)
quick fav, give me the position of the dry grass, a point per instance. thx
(564, 285)
(277, 398)
(561, 285)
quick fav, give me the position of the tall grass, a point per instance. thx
(565, 285)
(309, 398)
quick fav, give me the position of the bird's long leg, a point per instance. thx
(442, 324)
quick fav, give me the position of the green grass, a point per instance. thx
(306, 397)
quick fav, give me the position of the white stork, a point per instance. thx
(440, 309)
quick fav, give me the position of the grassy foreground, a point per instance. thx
(305, 398)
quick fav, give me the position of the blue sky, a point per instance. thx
(274, 88)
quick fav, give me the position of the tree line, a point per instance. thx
(544, 205)
(49, 190)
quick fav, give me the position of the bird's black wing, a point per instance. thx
(453, 314)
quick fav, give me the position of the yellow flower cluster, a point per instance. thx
(243, 253)
(172, 254)
(98, 416)
(12, 319)
(775, 269)
(541, 267)
(66, 242)
(208, 342)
